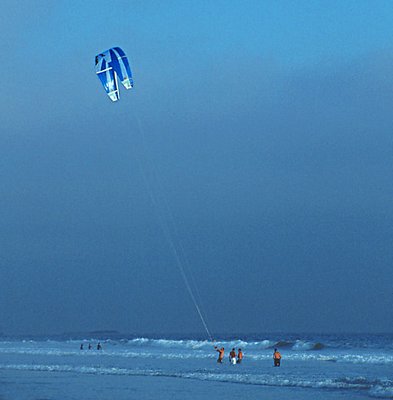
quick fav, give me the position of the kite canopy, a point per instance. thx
(112, 65)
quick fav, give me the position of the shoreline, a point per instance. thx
(25, 385)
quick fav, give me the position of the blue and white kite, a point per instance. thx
(112, 65)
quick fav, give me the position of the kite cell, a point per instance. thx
(112, 65)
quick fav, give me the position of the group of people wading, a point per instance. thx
(233, 357)
(237, 358)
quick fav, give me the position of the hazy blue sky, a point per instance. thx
(266, 126)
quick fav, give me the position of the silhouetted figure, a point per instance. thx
(90, 346)
(81, 346)
(99, 347)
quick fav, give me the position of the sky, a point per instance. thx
(254, 154)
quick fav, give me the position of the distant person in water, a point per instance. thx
(232, 356)
(220, 354)
(81, 346)
(277, 358)
(99, 347)
(90, 346)
(239, 356)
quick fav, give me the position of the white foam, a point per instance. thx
(381, 392)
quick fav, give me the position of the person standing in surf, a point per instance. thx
(232, 356)
(239, 356)
(277, 358)
(220, 354)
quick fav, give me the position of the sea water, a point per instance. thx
(313, 366)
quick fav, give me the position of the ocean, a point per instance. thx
(313, 367)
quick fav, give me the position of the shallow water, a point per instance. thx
(313, 366)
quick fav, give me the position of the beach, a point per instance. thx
(145, 368)
(41, 385)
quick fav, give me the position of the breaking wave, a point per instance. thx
(205, 344)
(195, 352)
